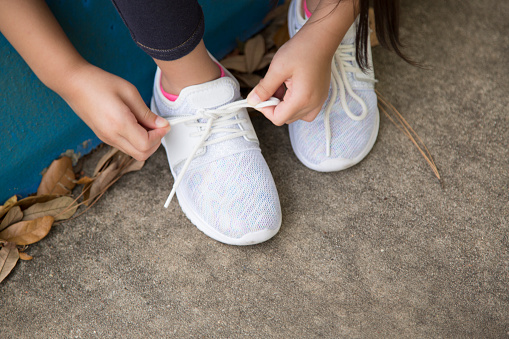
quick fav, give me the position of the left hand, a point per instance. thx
(304, 68)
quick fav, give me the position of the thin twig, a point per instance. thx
(405, 127)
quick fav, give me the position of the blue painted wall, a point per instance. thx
(37, 126)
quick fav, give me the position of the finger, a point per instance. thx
(141, 139)
(143, 114)
(267, 86)
(287, 110)
(125, 146)
(311, 115)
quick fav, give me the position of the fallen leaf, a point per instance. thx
(84, 181)
(100, 183)
(235, 63)
(118, 166)
(9, 256)
(86, 193)
(24, 256)
(28, 232)
(14, 215)
(254, 52)
(249, 80)
(29, 201)
(58, 179)
(134, 166)
(103, 162)
(372, 27)
(266, 60)
(11, 200)
(279, 11)
(7, 205)
(60, 208)
(281, 36)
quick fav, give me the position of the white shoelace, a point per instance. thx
(345, 57)
(210, 121)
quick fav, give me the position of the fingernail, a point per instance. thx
(161, 122)
(253, 99)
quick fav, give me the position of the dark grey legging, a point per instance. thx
(164, 29)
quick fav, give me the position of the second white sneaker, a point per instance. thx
(222, 181)
(346, 128)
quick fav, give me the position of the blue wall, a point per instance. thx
(38, 126)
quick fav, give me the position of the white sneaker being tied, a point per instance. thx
(222, 181)
(346, 128)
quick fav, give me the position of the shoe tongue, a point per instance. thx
(211, 94)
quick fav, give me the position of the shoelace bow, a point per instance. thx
(345, 58)
(211, 121)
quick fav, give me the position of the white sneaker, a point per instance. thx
(346, 128)
(222, 181)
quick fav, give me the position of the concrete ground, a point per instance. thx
(379, 250)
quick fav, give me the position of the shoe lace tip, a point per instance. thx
(170, 198)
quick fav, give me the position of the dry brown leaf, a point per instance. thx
(248, 80)
(134, 166)
(372, 27)
(9, 256)
(14, 215)
(28, 232)
(11, 200)
(254, 52)
(102, 163)
(112, 170)
(58, 179)
(86, 193)
(61, 208)
(29, 201)
(104, 178)
(281, 36)
(84, 181)
(7, 205)
(25, 256)
(235, 63)
(278, 12)
(266, 60)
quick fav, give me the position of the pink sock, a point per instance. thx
(173, 97)
(306, 10)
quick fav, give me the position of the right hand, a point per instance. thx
(113, 108)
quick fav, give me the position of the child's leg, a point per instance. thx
(222, 181)
(171, 33)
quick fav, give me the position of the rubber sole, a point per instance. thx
(252, 238)
(339, 164)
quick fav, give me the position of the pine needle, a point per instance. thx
(397, 119)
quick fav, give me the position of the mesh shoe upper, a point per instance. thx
(227, 190)
(352, 134)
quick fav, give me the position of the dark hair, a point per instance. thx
(386, 25)
(387, 14)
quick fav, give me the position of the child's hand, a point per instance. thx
(305, 71)
(115, 111)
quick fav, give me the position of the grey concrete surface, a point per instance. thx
(381, 250)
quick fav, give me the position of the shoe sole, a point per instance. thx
(252, 238)
(339, 164)
(248, 239)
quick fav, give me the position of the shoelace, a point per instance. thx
(211, 121)
(345, 58)
(345, 55)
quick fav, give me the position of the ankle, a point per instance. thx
(171, 90)
(172, 83)
(309, 6)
